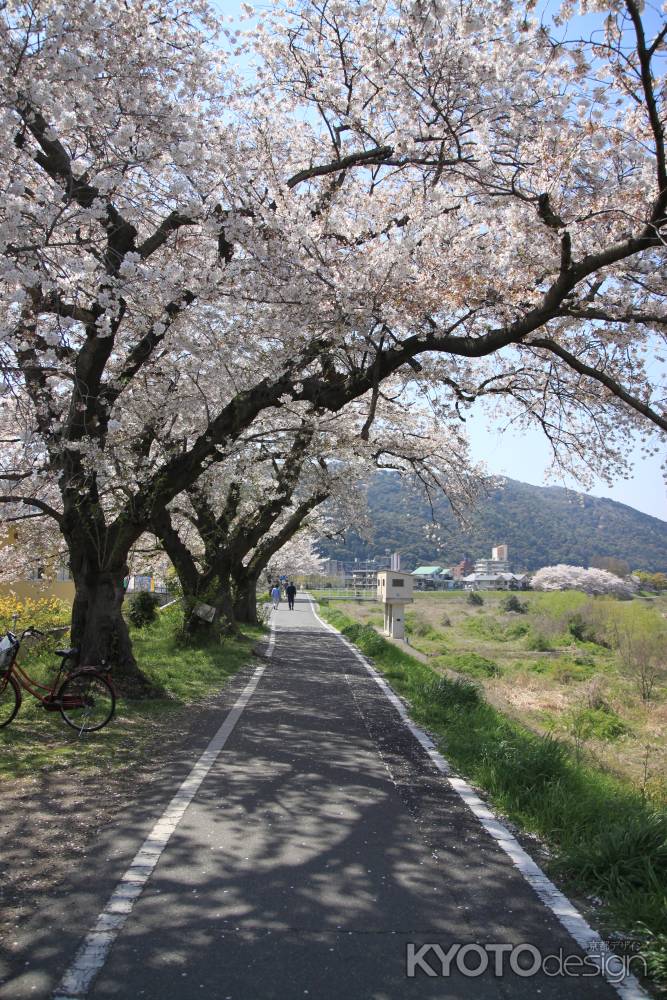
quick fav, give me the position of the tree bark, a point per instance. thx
(245, 599)
(208, 586)
(218, 596)
(99, 630)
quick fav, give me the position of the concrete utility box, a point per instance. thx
(394, 590)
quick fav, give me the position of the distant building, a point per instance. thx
(427, 572)
(492, 566)
(432, 578)
(494, 573)
(364, 577)
(462, 569)
(496, 581)
(333, 567)
(498, 563)
(148, 583)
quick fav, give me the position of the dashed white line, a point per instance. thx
(575, 924)
(97, 944)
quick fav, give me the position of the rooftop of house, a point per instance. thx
(480, 577)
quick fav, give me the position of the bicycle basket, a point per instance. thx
(8, 646)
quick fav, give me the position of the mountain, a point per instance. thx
(541, 525)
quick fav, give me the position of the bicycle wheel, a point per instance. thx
(10, 698)
(87, 701)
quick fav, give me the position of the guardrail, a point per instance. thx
(346, 594)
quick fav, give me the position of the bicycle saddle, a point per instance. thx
(67, 652)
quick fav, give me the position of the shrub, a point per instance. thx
(366, 638)
(517, 630)
(626, 855)
(470, 663)
(143, 609)
(446, 621)
(596, 723)
(582, 628)
(565, 671)
(423, 630)
(540, 667)
(640, 639)
(526, 763)
(595, 694)
(450, 693)
(44, 613)
(475, 598)
(512, 603)
(487, 627)
(537, 641)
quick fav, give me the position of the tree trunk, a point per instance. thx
(99, 630)
(225, 620)
(245, 602)
(210, 586)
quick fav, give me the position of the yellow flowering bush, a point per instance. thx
(45, 613)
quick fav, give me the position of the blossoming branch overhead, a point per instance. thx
(201, 229)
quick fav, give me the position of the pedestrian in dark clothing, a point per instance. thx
(290, 591)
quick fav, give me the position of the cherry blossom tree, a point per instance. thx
(298, 557)
(438, 200)
(227, 527)
(591, 581)
(30, 548)
(227, 512)
(524, 167)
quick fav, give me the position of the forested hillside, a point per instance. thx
(541, 525)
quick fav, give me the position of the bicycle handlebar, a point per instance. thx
(32, 630)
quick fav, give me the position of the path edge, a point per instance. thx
(556, 901)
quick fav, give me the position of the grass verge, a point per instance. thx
(605, 840)
(39, 740)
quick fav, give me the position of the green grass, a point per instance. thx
(486, 627)
(564, 670)
(597, 723)
(40, 740)
(469, 663)
(605, 838)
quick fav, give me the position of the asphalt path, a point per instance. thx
(322, 847)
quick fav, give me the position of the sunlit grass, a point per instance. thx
(40, 740)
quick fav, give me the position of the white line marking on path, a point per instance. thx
(574, 923)
(97, 944)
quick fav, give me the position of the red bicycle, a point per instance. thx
(84, 696)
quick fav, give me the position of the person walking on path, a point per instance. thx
(290, 591)
(275, 596)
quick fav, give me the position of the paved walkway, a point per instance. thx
(320, 845)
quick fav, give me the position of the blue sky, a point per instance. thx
(525, 455)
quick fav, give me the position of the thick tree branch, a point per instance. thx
(55, 161)
(34, 502)
(614, 387)
(649, 94)
(177, 551)
(273, 543)
(649, 319)
(378, 155)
